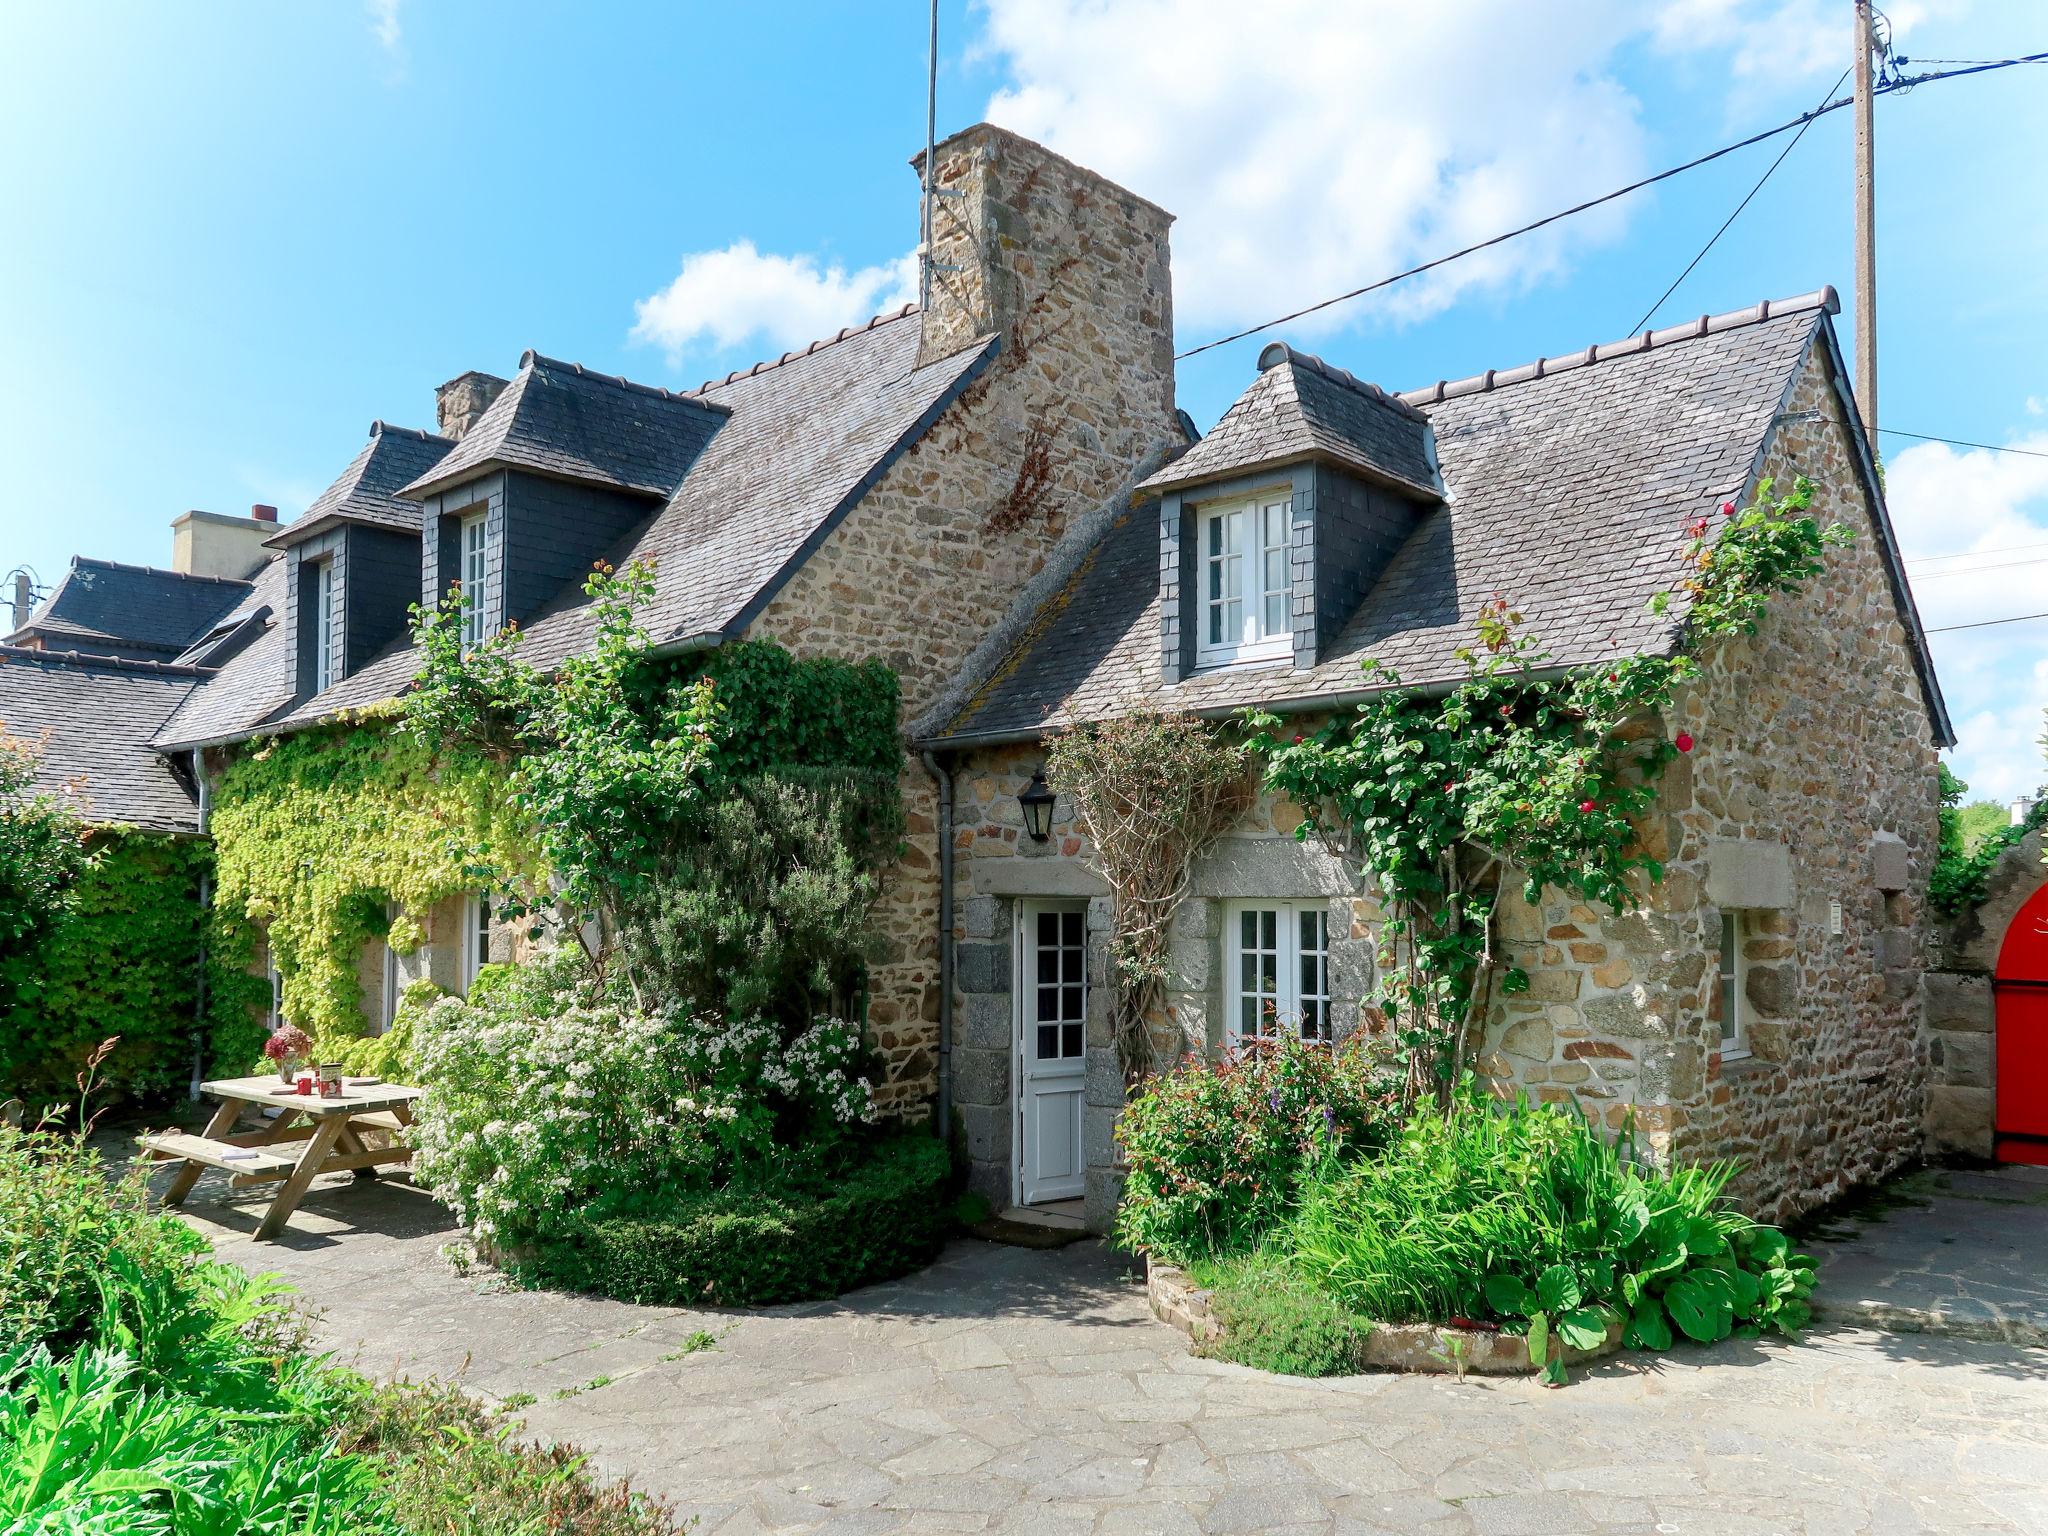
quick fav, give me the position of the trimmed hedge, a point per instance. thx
(885, 1215)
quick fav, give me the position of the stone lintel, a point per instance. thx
(1748, 874)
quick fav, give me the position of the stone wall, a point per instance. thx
(1813, 784)
(1961, 1014)
(1073, 272)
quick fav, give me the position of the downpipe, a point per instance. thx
(944, 780)
(205, 906)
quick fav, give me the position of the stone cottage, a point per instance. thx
(1765, 1004)
(996, 495)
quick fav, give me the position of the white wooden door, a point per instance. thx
(1052, 1009)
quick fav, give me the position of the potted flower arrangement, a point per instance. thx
(288, 1046)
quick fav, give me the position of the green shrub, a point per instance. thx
(813, 1233)
(1963, 866)
(1218, 1149)
(1273, 1320)
(1474, 1211)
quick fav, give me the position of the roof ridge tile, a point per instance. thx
(1823, 298)
(844, 333)
(33, 653)
(156, 570)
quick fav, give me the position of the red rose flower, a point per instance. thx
(1727, 509)
(1683, 741)
(1697, 528)
(1587, 807)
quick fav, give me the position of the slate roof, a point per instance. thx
(367, 491)
(254, 683)
(1301, 407)
(803, 438)
(105, 608)
(93, 717)
(561, 419)
(1568, 482)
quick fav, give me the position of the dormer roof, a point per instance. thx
(1300, 407)
(570, 423)
(367, 491)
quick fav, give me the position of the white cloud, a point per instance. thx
(738, 295)
(384, 24)
(1305, 146)
(1973, 526)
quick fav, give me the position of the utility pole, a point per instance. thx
(1866, 229)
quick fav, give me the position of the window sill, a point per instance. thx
(1243, 661)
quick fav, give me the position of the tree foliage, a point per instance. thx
(43, 856)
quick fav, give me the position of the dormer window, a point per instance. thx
(475, 531)
(1246, 580)
(323, 625)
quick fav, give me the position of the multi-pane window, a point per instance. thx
(1734, 1027)
(1060, 988)
(475, 564)
(1279, 959)
(1246, 580)
(323, 626)
(476, 937)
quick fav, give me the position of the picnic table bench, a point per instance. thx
(310, 1136)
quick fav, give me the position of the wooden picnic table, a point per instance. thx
(331, 1131)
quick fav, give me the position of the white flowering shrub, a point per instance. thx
(545, 1108)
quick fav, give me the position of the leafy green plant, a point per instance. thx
(42, 857)
(1274, 1321)
(1557, 1314)
(1962, 863)
(1218, 1148)
(1519, 773)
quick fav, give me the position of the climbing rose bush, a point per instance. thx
(583, 1109)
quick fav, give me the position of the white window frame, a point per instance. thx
(1239, 547)
(390, 998)
(277, 1018)
(323, 625)
(1732, 978)
(473, 539)
(1300, 996)
(476, 937)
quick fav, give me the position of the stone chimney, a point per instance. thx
(217, 544)
(1028, 243)
(459, 402)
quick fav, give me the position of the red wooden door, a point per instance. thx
(2020, 988)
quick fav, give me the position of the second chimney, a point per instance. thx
(459, 402)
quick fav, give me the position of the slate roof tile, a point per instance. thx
(105, 608)
(561, 419)
(92, 718)
(1567, 487)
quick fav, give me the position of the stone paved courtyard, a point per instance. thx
(1028, 1391)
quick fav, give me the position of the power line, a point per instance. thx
(1957, 442)
(1825, 96)
(1974, 554)
(2020, 618)
(1595, 202)
(1979, 570)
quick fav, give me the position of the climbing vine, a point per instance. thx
(318, 832)
(1151, 792)
(1521, 769)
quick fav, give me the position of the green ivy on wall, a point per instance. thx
(317, 831)
(124, 960)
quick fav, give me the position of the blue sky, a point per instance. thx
(234, 234)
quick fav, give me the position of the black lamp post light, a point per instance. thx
(1037, 801)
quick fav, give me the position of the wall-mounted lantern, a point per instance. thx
(1037, 801)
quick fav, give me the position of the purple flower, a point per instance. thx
(1329, 1121)
(1273, 1099)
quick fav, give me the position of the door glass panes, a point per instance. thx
(1273, 554)
(1313, 930)
(1258, 969)
(1061, 987)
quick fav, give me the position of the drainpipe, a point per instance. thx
(944, 780)
(205, 906)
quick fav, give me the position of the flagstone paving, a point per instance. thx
(1014, 1390)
